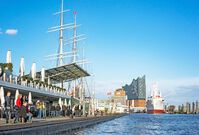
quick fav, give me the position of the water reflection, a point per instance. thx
(145, 124)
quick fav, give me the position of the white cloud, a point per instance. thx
(11, 31)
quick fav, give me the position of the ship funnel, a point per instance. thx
(8, 57)
(33, 71)
(43, 74)
(22, 67)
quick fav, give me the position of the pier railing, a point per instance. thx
(15, 80)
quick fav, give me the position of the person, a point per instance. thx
(38, 106)
(8, 107)
(18, 101)
(101, 113)
(71, 112)
(95, 113)
(23, 112)
(43, 108)
(52, 111)
(29, 113)
(64, 108)
(23, 99)
(68, 111)
(58, 109)
(26, 99)
(86, 113)
(17, 109)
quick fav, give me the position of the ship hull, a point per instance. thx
(156, 111)
(155, 106)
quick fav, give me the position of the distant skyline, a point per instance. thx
(125, 40)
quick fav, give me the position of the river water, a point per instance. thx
(146, 124)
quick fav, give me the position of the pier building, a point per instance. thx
(41, 85)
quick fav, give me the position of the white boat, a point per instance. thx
(155, 103)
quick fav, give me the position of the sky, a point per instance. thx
(125, 39)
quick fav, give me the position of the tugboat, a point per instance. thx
(155, 103)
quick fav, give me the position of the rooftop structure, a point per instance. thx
(64, 73)
(119, 92)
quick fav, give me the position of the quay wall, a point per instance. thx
(55, 127)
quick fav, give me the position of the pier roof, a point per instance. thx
(64, 73)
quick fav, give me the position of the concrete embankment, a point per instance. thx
(57, 127)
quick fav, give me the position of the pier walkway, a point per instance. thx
(51, 126)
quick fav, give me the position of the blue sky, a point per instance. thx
(125, 39)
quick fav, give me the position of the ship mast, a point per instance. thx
(155, 91)
(74, 49)
(60, 58)
(61, 27)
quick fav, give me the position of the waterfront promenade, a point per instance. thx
(50, 126)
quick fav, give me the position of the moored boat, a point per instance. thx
(155, 103)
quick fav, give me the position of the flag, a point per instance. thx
(109, 93)
(75, 12)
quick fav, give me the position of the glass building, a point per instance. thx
(137, 89)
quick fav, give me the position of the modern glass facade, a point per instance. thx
(137, 89)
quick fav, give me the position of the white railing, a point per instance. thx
(14, 80)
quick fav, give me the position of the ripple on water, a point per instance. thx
(145, 124)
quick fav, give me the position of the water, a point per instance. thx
(145, 124)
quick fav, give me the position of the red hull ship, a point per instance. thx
(155, 102)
